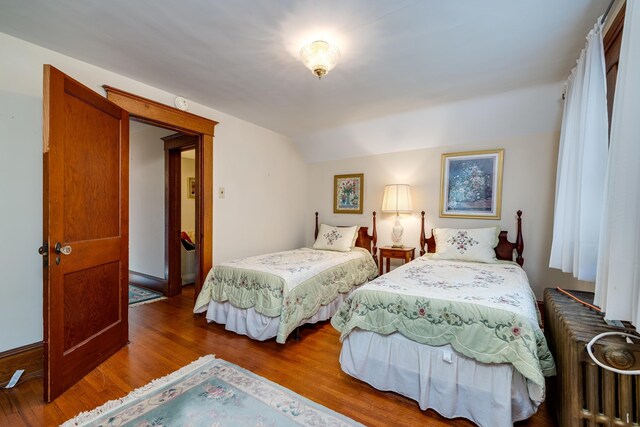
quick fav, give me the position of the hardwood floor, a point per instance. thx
(166, 336)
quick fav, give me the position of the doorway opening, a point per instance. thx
(201, 131)
(181, 198)
(188, 218)
(162, 210)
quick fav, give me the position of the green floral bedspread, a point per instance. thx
(485, 311)
(291, 285)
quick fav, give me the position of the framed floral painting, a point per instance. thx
(471, 184)
(191, 188)
(348, 192)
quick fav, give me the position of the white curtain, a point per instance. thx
(618, 281)
(582, 163)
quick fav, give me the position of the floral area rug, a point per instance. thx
(211, 392)
(139, 296)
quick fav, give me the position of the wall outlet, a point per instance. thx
(221, 192)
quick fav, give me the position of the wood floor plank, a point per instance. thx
(165, 336)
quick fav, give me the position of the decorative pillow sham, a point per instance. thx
(474, 244)
(338, 239)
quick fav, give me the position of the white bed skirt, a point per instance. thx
(258, 326)
(491, 395)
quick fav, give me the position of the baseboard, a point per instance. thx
(28, 357)
(188, 279)
(147, 281)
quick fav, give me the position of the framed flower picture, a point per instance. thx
(191, 188)
(471, 184)
(348, 192)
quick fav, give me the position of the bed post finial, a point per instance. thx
(519, 240)
(374, 250)
(423, 237)
(316, 235)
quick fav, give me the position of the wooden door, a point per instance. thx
(85, 198)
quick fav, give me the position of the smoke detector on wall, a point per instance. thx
(181, 103)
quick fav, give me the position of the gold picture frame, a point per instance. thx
(348, 193)
(471, 184)
(191, 188)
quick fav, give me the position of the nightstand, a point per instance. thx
(406, 253)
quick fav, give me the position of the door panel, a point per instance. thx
(91, 191)
(84, 315)
(85, 203)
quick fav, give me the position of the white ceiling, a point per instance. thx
(241, 56)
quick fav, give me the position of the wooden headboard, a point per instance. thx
(504, 250)
(364, 240)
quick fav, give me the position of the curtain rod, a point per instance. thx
(606, 12)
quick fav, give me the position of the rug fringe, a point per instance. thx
(147, 301)
(88, 416)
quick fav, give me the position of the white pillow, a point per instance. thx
(335, 238)
(355, 237)
(475, 244)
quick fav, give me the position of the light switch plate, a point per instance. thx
(221, 192)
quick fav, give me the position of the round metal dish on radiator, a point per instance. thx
(619, 358)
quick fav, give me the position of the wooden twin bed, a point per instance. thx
(271, 295)
(459, 337)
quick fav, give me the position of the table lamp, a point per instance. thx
(397, 198)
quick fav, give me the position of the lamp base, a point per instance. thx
(396, 235)
(397, 246)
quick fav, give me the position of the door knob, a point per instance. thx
(64, 250)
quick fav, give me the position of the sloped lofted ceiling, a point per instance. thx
(241, 56)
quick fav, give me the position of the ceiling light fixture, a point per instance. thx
(320, 57)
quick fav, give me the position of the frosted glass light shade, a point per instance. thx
(397, 198)
(320, 57)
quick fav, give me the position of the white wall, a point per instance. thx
(526, 111)
(265, 182)
(187, 204)
(256, 165)
(531, 148)
(146, 199)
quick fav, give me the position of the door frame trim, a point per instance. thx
(155, 113)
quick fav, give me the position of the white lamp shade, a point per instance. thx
(397, 198)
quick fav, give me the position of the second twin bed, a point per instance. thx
(457, 329)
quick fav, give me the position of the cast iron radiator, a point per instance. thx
(583, 394)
